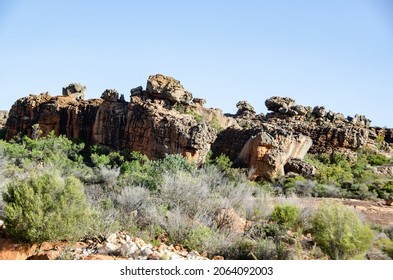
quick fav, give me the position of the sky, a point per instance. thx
(333, 53)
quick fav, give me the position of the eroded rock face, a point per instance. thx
(167, 88)
(143, 126)
(267, 154)
(164, 119)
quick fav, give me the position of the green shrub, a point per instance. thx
(215, 123)
(382, 188)
(339, 232)
(46, 207)
(223, 162)
(198, 237)
(386, 245)
(241, 249)
(286, 215)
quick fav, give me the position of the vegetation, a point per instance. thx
(55, 189)
(46, 207)
(340, 233)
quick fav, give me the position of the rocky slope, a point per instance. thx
(166, 119)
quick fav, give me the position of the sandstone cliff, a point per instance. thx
(166, 119)
(148, 126)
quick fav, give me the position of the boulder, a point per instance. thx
(300, 167)
(319, 111)
(164, 87)
(227, 218)
(199, 101)
(75, 90)
(300, 110)
(276, 103)
(245, 109)
(137, 91)
(110, 95)
(267, 154)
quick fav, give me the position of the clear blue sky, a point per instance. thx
(337, 53)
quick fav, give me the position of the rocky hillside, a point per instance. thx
(166, 119)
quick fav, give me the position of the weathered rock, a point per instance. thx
(245, 109)
(299, 167)
(300, 110)
(319, 111)
(137, 91)
(168, 88)
(3, 115)
(359, 120)
(3, 118)
(138, 126)
(12, 250)
(227, 218)
(266, 154)
(199, 101)
(75, 90)
(276, 103)
(110, 95)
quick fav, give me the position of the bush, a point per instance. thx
(339, 232)
(46, 207)
(286, 215)
(386, 245)
(223, 162)
(198, 238)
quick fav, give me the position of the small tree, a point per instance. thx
(46, 207)
(340, 233)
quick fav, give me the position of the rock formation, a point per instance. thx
(167, 88)
(143, 126)
(165, 119)
(267, 153)
(75, 90)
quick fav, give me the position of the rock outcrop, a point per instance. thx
(166, 88)
(145, 126)
(245, 109)
(267, 154)
(75, 90)
(166, 119)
